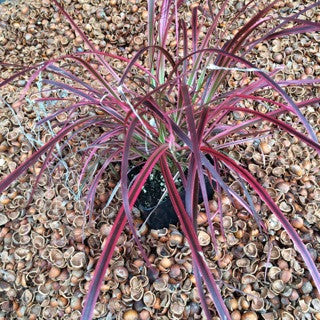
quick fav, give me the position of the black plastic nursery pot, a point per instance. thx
(160, 215)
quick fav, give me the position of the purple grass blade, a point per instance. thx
(164, 20)
(39, 175)
(183, 27)
(195, 146)
(200, 288)
(101, 267)
(125, 191)
(80, 93)
(192, 191)
(195, 31)
(270, 81)
(103, 138)
(282, 125)
(55, 114)
(95, 181)
(85, 39)
(139, 54)
(294, 30)
(205, 43)
(218, 190)
(74, 78)
(42, 67)
(255, 214)
(204, 160)
(151, 32)
(114, 235)
(71, 89)
(35, 156)
(257, 119)
(117, 57)
(282, 24)
(192, 239)
(246, 175)
(17, 75)
(192, 183)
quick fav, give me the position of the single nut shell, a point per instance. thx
(131, 315)
(250, 315)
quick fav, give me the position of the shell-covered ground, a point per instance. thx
(45, 266)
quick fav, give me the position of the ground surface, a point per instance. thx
(44, 266)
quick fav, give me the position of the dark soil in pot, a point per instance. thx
(162, 214)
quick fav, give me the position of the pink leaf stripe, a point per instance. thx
(192, 238)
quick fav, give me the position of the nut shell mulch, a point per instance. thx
(48, 252)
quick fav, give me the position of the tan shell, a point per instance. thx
(227, 222)
(284, 238)
(24, 229)
(194, 295)
(175, 238)
(275, 253)
(27, 297)
(249, 315)
(149, 299)
(12, 215)
(288, 254)
(248, 278)
(296, 170)
(56, 258)
(204, 238)
(277, 286)
(278, 171)
(8, 276)
(163, 301)
(273, 223)
(77, 261)
(283, 187)
(54, 272)
(20, 239)
(315, 304)
(160, 284)
(120, 274)
(287, 292)
(257, 304)
(187, 285)
(22, 253)
(137, 294)
(304, 306)
(231, 239)
(268, 316)
(286, 207)
(177, 309)
(100, 310)
(286, 316)
(131, 315)
(39, 279)
(45, 288)
(251, 250)
(274, 272)
(3, 219)
(182, 255)
(243, 262)
(139, 281)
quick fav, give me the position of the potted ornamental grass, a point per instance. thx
(170, 116)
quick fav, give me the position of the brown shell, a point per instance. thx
(57, 258)
(160, 284)
(149, 299)
(277, 286)
(251, 250)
